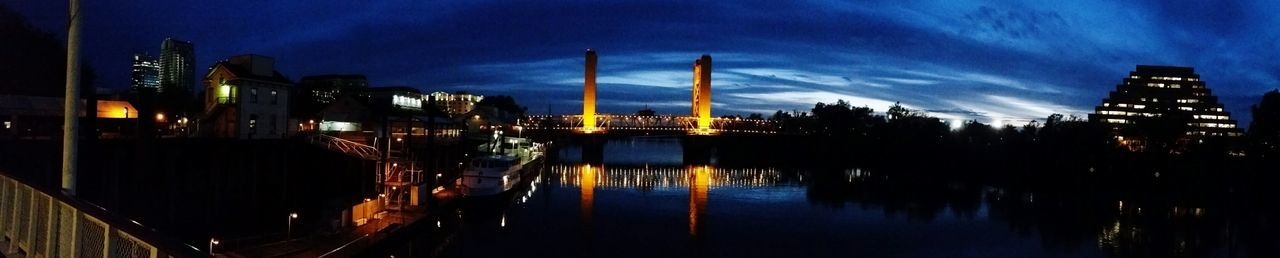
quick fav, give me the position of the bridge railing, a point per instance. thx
(40, 223)
(649, 123)
(354, 149)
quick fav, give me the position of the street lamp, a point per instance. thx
(289, 234)
(212, 242)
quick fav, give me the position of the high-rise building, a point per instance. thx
(146, 72)
(1165, 92)
(177, 65)
(702, 93)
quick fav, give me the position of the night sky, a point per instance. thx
(959, 59)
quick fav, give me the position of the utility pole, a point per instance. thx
(71, 101)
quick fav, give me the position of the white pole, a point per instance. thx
(71, 102)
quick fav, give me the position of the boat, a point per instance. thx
(501, 167)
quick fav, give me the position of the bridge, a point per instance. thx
(656, 124)
(698, 122)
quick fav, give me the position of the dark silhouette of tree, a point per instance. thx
(974, 133)
(1264, 130)
(33, 61)
(502, 103)
(756, 116)
(1162, 133)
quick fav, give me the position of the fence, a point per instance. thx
(40, 223)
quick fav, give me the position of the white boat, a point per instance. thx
(501, 170)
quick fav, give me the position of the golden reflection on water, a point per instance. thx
(587, 183)
(699, 184)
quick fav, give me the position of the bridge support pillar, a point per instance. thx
(698, 149)
(589, 94)
(702, 94)
(592, 148)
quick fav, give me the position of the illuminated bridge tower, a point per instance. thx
(589, 94)
(702, 94)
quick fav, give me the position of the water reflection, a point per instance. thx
(699, 184)
(586, 182)
(828, 211)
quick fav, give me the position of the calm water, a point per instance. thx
(643, 201)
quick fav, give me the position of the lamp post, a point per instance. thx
(289, 234)
(212, 242)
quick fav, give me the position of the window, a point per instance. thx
(253, 95)
(273, 119)
(253, 123)
(8, 124)
(275, 97)
(1186, 108)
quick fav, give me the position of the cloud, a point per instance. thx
(965, 59)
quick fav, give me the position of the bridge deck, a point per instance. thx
(659, 123)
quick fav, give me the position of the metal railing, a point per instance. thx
(649, 123)
(39, 223)
(351, 148)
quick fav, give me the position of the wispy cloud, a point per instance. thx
(962, 59)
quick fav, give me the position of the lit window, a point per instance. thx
(253, 123)
(1139, 106)
(1122, 105)
(275, 97)
(8, 124)
(253, 95)
(1117, 121)
(1185, 108)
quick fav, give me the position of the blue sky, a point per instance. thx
(994, 61)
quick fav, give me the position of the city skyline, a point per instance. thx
(990, 62)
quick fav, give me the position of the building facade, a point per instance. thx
(177, 65)
(246, 98)
(146, 72)
(455, 104)
(325, 89)
(1165, 92)
(397, 98)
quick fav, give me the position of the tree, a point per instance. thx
(897, 111)
(1264, 130)
(503, 103)
(33, 61)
